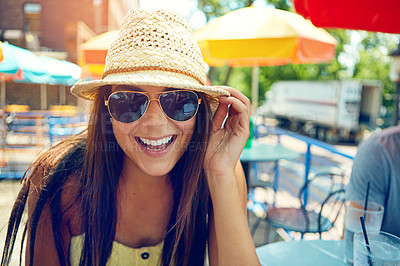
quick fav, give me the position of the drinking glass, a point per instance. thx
(353, 211)
(384, 249)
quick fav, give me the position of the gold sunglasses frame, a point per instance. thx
(149, 101)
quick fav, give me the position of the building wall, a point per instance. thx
(12, 14)
(57, 13)
(98, 15)
(29, 94)
(117, 10)
(64, 25)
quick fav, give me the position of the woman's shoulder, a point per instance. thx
(71, 204)
(42, 173)
(42, 170)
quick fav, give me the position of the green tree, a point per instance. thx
(374, 62)
(280, 4)
(217, 8)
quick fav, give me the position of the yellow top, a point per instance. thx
(120, 254)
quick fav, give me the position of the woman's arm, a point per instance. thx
(241, 186)
(230, 241)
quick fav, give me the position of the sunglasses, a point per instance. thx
(130, 106)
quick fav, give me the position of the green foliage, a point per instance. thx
(217, 8)
(374, 62)
(280, 4)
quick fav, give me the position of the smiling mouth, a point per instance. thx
(156, 145)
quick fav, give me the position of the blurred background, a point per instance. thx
(47, 45)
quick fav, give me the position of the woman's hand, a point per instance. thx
(227, 143)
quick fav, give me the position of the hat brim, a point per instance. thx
(88, 89)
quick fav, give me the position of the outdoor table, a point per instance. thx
(261, 152)
(303, 252)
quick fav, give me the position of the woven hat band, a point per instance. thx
(153, 78)
(153, 68)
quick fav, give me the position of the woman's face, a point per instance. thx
(154, 143)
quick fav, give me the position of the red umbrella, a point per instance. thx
(370, 15)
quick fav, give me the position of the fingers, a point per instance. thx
(235, 105)
(238, 100)
(220, 116)
(239, 115)
(242, 103)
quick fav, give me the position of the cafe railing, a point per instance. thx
(261, 130)
(24, 134)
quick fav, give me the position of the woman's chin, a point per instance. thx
(157, 170)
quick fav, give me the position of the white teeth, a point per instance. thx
(156, 142)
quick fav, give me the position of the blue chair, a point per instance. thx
(62, 127)
(21, 135)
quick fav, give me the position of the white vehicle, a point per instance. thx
(328, 110)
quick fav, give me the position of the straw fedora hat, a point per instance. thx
(153, 48)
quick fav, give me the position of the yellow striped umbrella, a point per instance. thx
(263, 36)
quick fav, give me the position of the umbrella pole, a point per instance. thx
(3, 94)
(228, 75)
(43, 96)
(254, 88)
(62, 94)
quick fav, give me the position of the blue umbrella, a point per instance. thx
(37, 69)
(61, 72)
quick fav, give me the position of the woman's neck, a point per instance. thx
(135, 180)
(144, 206)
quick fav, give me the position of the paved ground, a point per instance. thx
(291, 178)
(8, 193)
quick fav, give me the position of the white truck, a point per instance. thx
(328, 110)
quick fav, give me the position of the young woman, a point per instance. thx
(156, 180)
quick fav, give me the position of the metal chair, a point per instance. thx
(64, 126)
(320, 214)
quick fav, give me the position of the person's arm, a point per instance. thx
(241, 186)
(230, 242)
(45, 252)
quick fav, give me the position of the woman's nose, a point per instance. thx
(154, 114)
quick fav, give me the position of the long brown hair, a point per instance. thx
(96, 159)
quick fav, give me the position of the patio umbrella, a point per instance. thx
(92, 54)
(262, 36)
(18, 60)
(60, 71)
(22, 65)
(370, 15)
(1, 51)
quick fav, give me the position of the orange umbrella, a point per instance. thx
(1, 51)
(263, 36)
(92, 54)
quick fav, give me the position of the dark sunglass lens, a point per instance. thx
(127, 107)
(179, 105)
